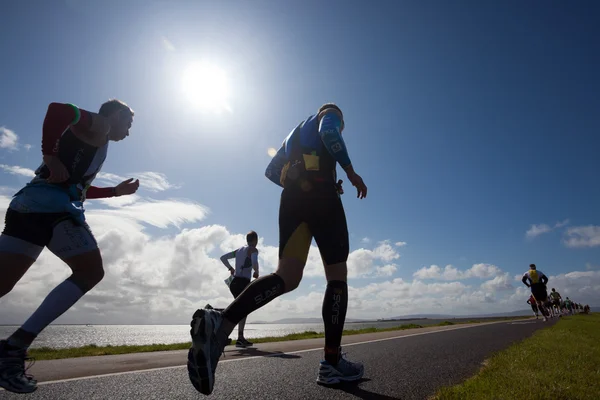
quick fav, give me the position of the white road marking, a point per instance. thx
(270, 355)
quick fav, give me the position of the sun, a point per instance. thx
(206, 87)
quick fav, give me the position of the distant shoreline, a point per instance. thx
(300, 321)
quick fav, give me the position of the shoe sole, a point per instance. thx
(199, 366)
(338, 379)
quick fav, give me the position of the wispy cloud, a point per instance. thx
(582, 236)
(540, 229)
(400, 244)
(17, 170)
(27, 147)
(8, 139)
(449, 272)
(149, 180)
(167, 44)
(366, 240)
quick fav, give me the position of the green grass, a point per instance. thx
(47, 353)
(559, 362)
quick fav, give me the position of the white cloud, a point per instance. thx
(150, 181)
(8, 139)
(537, 230)
(540, 229)
(363, 262)
(582, 236)
(500, 282)
(366, 240)
(27, 146)
(16, 170)
(162, 278)
(400, 244)
(449, 272)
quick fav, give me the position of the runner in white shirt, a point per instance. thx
(246, 260)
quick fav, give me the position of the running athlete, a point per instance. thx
(531, 301)
(310, 205)
(48, 212)
(537, 282)
(246, 260)
(556, 298)
(569, 306)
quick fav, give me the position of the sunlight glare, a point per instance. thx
(206, 87)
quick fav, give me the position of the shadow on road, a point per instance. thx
(356, 390)
(251, 351)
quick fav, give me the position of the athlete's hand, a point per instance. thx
(231, 271)
(127, 187)
(255, 275)
(58, 172)
(339, 187)
(357, 182)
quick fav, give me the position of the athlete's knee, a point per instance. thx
(290, 270)
(337, 272)
(88, 270)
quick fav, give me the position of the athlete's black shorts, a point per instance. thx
(319, 214)
(237, 285)
(28, 234)
(539, 292)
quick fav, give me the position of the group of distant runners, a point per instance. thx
(550, 306)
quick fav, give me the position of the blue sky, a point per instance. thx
(469, 122)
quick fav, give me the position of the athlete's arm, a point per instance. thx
(274, 168)
(225, 259)
(524, 280)
(94, 192)
(543, 278)
(330, 130)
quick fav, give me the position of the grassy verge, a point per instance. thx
(561, 362)
(47, 353)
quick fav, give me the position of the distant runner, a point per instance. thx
(556, 298)
(48, 212)
(246, 260)
(310, 206)
(536, 280)
(569, 305)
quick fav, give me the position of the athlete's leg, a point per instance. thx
(237, 287)
(331, 235)
(294, 244)
(261, 291)
(21, 243)
(208, 325)
(76, 246)
(12, 268)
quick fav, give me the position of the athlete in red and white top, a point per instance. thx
(48, 212)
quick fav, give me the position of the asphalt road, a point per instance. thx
(398, 365)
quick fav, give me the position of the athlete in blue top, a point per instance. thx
(310, 206)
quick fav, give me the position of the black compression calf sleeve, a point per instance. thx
(335, 305)
(256, 295)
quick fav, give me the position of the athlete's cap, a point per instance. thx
(532, 266)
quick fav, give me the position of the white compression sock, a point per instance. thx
(54, 305)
